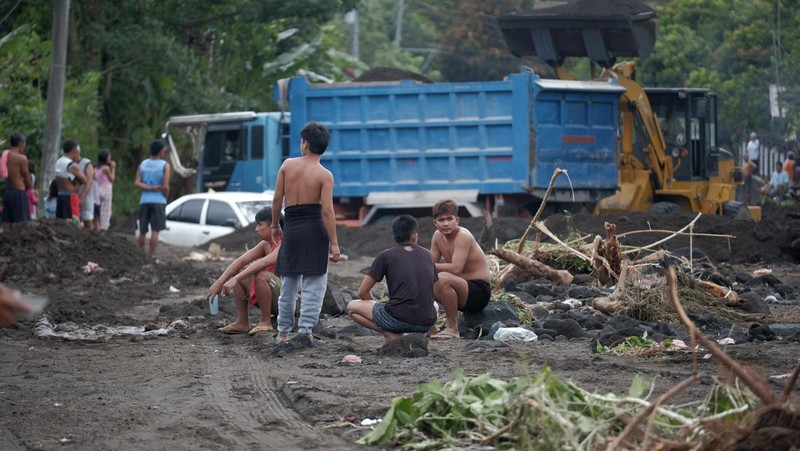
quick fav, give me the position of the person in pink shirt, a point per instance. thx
(105, 173)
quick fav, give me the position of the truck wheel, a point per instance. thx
(663, 208)
(735, 210)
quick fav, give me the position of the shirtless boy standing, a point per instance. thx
(68, 175)
(464, 275)
(305, 187)
(18, 182)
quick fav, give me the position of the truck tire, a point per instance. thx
(735, 210)
(663, 208)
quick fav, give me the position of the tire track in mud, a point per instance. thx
(253, 413)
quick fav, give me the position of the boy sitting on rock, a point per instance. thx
(252, 280)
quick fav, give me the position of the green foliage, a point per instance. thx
(543, 412)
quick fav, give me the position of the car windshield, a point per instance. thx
(249, 209)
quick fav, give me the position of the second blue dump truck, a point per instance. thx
(397, 146)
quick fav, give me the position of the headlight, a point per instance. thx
(680, 139)
(676, 152)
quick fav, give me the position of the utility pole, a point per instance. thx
(55, 95)
(398, 28)
(351, 18)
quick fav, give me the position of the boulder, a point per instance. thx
(334, 303)
(409, 345)
(566, 327)
(480, 323)
(752, 302)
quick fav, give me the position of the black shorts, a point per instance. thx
(67, 206)
(15, 206)
(478, 296)
(152, 217)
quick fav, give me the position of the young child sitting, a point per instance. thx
(252, 281)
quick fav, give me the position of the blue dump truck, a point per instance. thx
(493, 145)
(402, 146)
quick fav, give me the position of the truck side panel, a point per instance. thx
(417, 137)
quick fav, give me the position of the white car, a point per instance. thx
(197, 218)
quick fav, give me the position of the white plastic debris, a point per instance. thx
(504, 334)
(574, 303)
(173, 289)
(370, 422)
(726, 341)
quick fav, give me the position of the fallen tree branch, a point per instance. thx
(790, 383)
(559, 276)
(649, 409)
(530, 228)
(758, 388)
(711, 235)
(552, 236)
(664, 240)
(612, 253)
(599, 264)
(717, 290)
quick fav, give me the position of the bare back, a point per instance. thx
(18, 175)
(462, 255)
(308, 179)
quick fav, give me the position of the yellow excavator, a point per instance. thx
(669, 157)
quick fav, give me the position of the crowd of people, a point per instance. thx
(81, 191)
(782, 183)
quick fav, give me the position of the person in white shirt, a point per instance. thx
(754, 148)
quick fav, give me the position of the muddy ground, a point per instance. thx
(193, 388)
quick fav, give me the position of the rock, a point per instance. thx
(665, 329)
(562, 307)
(622, 322)
(484, 345)
(543, 298)
(536, 289)
(334, 303)
(545, 332)
(742, 278)
(766, 230)
(590, 322)
(409, 345)
(356, 330)
(766, 279)
(753, 303)
(783, 289)
(583, 279)
(566, 327)
(785, 330)
(709, 323)
(164, 308)
(481, 322)
(761, 333)
(582, 292)
(324, 331)
(539, 312)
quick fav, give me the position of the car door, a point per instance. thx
(183, 224)
(220, 220)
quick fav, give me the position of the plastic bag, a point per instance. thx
(514, 334)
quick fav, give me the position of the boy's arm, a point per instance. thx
(461, 248)
(435, 252)
(328, 215)
(234, 268)
(76, 171)
(138, 181)
(364, 290)
(26, 175)
(260, 264)
(165, 183)
(277, 203)
(87, 188)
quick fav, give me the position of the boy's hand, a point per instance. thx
(11, 305)
(335, 254)
(227, 287)
(277, 235)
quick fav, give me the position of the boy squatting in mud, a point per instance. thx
(464, 276)
(258, 267)
(410, 275)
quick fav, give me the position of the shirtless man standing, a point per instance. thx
(305, 187)
(18, 181)
(464, 275)
(68, 175)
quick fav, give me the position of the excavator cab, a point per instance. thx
(668, 149)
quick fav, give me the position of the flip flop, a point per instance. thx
(230, 329)
(444, 336)
(258, 329)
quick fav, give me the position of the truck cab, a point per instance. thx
(239, 151)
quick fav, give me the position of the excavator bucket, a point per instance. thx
(599, 29)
